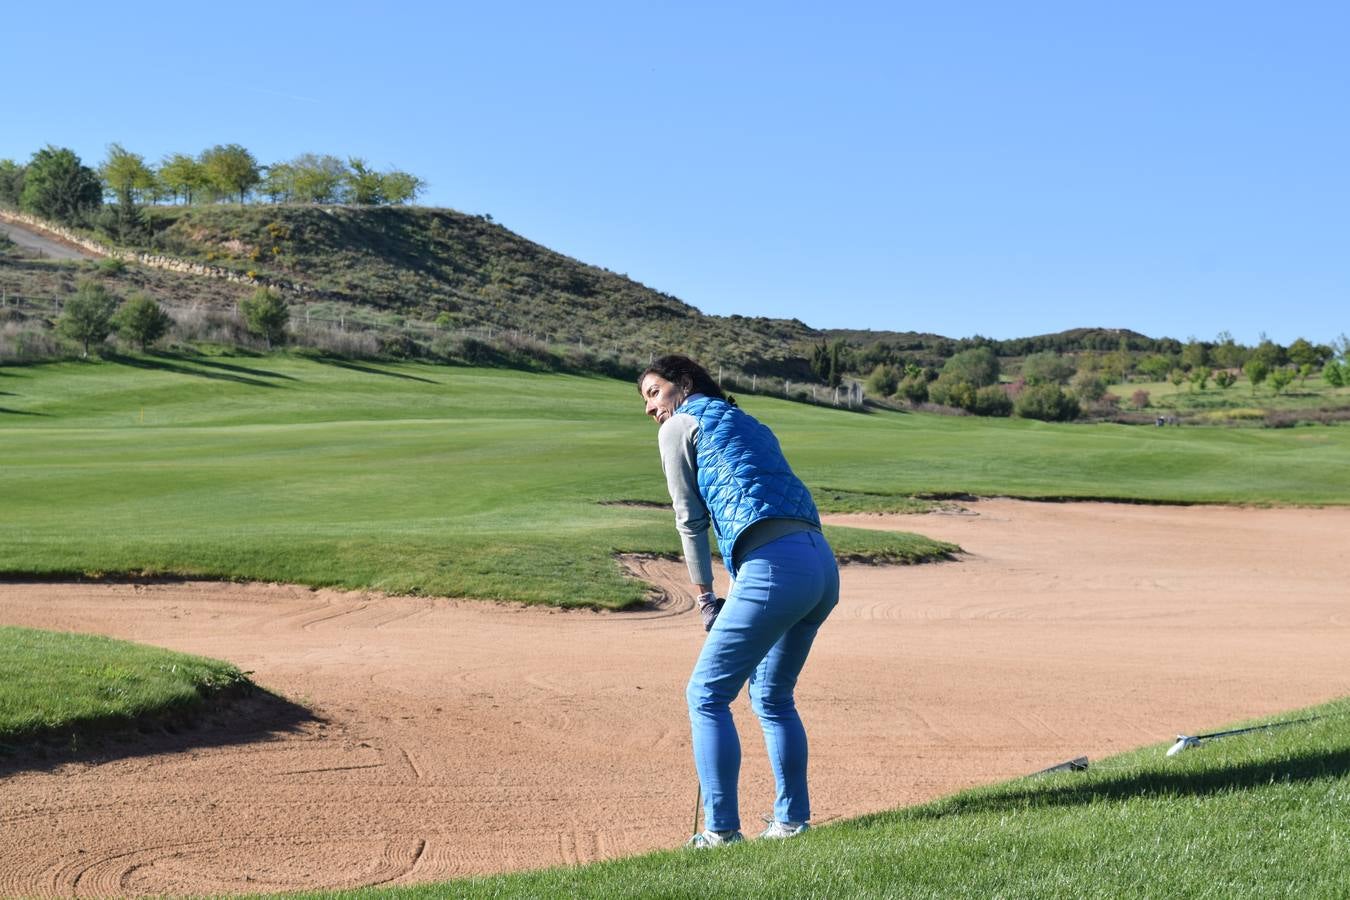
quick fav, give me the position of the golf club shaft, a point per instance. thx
(698, 801)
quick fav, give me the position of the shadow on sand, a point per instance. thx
(242, 715)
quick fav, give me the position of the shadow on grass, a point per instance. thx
(238, 715)
(217, 364)
(168, 365)
(19, 412)
(1307, 766)
(369, 370)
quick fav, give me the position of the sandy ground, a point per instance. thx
(430, 738)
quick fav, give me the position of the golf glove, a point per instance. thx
(709, 605)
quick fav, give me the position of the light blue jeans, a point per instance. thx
(783, 591)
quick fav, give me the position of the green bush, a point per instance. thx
(978, 366)
(1047, 367)
(266, 316)
(914, 389)
(1046, 402)
(884, 380)
(87, 316)
(142, 320)
(1336, 374)
(992, 400)
(1089, 387)
(949, 390)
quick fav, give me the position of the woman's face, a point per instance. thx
(662, 397)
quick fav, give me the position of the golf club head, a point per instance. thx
(1183, 742)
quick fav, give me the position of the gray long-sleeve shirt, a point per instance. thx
(678, 441)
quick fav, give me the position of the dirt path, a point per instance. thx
(452, 737)
(43, 244)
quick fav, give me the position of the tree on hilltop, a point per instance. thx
(231, 170)
(401, 187)
(11, 183)
(182, 176)
(365, 186)
(125, 174)
(317, 178)
(58, 186)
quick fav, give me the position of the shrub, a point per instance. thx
(195, 324)
(87, 314)
(22, 342)
(1088, 387)
(951, 391)
(266, 315)
(914, 389)
(1046, 402)
(142, 320)
(992, 400)
(1139, 399)
(1047, 367)
(1256, 371)
(977, 366)
(884, 380)
(337, 342)
(1336, 374)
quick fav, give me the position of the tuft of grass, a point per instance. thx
(56, 683)
(1265, 814)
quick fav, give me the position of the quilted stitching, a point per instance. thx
(742, 473)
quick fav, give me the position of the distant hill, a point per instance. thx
(437, 271)
(438, 265)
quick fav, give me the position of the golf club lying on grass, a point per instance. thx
(1186, 741)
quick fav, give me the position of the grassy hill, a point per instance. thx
(429, 272)
(455, 271)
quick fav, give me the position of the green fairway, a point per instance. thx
(500, 484)
(53, 683)
(1258, 815)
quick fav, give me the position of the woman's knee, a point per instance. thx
(772, 705)
(703, 697)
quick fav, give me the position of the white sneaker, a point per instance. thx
(779, 830)
(705, 839)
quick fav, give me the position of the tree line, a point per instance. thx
(93, 312)
(56, 184)
(1050, 385)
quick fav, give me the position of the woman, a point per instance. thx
(725, 469)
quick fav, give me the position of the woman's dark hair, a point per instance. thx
(686, 374)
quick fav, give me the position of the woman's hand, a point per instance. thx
(709, 605)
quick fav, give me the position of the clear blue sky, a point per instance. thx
(999, 168)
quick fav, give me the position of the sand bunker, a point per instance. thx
(441, 738)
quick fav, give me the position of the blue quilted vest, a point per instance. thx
(742, 474)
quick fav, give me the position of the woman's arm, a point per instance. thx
(679, 460)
